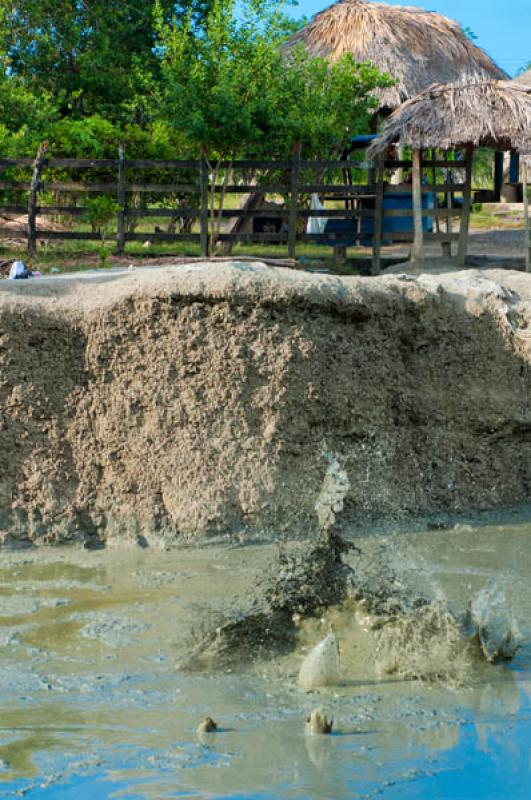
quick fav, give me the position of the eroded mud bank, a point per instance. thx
(163, 404)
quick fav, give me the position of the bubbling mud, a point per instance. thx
(318, 723)
(415, 636)
(491, 624)
(302, 581)
(427, 644)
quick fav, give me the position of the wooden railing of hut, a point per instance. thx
(361, 200)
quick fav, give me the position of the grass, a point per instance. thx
(71, 256)
(76, 256)
(510, 220)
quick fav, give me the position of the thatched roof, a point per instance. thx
(524, 79)
(493, 114)
(416, 47)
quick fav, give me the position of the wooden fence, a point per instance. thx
(362, 201)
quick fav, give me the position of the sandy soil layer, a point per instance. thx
(167, 403)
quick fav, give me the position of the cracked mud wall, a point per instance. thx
(173, 404)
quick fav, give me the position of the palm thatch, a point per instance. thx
(416, 47)
(524, 79)
(494, 114)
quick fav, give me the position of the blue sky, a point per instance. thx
(503, 27)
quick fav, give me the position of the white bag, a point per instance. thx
(316, 224)
(18, 268)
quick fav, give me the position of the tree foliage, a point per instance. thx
(89, 54)
(230, 88)
(101, 213)
(169, 78)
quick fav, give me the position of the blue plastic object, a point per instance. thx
(396, 201)
(343, 231)
(363, 139)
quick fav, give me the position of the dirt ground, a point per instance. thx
(503, 247)
(161, 404)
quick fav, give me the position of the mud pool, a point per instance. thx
(93, 703)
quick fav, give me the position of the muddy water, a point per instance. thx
(94, 705)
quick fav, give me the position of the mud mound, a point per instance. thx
(163, 404)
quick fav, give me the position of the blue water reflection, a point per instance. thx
(491, 760)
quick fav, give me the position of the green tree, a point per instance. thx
(101, 213)
(25, 117)
(85, 60)
(231, 91)
(94, 56)
(321, 106)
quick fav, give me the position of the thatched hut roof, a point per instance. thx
(416, 47)
(524, 79)
(493, 114)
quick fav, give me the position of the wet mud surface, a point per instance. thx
(94, 702)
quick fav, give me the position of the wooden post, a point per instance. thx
(203, 219)
(340, 255)
(447, 246)
(498, 175)
(376, 266)
(38, 164)
(434, 181)
(120, 217)
(294, 197)
(527, 220)
(417, 253)
(401, 171)
(467, 206)
(514, 167)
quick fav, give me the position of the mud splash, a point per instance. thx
(415, 637)
(303, 581)
(427, 644)
(492, 625)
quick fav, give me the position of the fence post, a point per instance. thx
(38, 164)
(120, 217)
(417, 253)
(203, 219)
(376, 266)
(295, 175)
(447, 246)
(467, 205)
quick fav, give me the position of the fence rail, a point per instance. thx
(365, 202)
